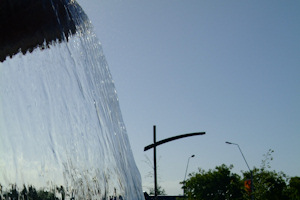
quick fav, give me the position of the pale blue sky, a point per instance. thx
(230, 68)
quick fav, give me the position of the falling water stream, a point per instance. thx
(61, 128)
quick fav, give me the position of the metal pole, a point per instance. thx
(252, 188)
(243, 157)
(187, 165)
(252, 196)
(154, 158)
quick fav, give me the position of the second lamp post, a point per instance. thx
(252, 196)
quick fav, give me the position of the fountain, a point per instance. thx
(61, 130)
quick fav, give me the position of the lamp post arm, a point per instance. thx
(171, 139)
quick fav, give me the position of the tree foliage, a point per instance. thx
(160, 191)
(268, 184)
(217, 184)
(221, 183)
(293, 190)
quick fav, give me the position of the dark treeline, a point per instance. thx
(31, 193)
(28, 193)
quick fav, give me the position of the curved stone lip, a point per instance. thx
(29, 24)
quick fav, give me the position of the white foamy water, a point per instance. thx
(61, 124)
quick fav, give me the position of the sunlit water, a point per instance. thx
(61, 124)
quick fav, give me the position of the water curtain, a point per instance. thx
(61, 130)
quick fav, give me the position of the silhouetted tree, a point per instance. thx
(32, 193)
(268, 185)
(293, 189)
(45, 195)
(160, 191)
(24, 192)
(217, 184)
(14, 194)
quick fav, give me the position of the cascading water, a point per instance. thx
(61, 130)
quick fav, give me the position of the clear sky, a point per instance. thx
(230, 68)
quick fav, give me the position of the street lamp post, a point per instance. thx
(157, 143)
(187, 165)
(252, 196)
